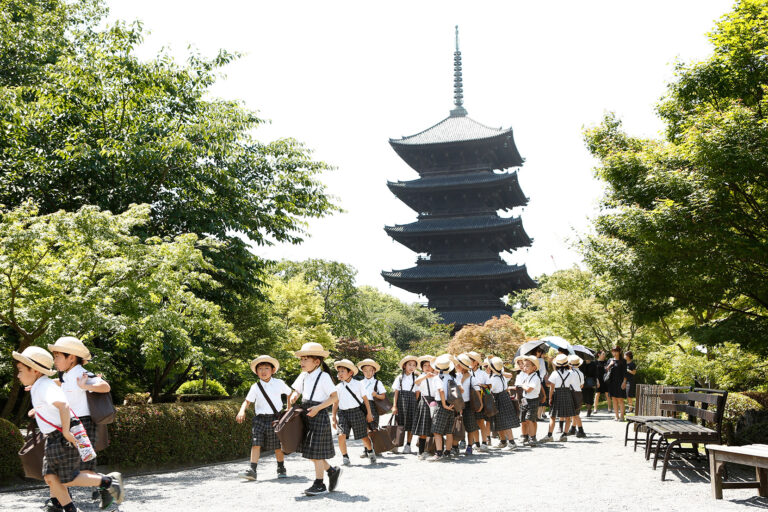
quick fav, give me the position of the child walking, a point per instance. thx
(575, 362)
(506, 419)
(445, 415)
(61, 461)
(69, 356)
(352, 411)
(428, 384)
(468, 416)
(318, 393)
(560, 397)
(531, 385)
(373, 388)
(405, 399)
(266, 395)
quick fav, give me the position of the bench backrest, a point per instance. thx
(686, 403)
(649, 398)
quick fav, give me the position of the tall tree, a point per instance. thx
(685, 218)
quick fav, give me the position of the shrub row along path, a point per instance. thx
(596, 473)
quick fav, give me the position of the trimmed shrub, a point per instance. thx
(177, 434)
(736, 406)
(195, 387)
(753, 434)
(11, 441)
(759, 396)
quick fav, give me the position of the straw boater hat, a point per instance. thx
(444, 363)
(426, 359)
(265, 359)
(464, 360)
(496, 365)
(312, 349)
(534, 361)
(519, 358)
(36, 358)
(406, 359)
(369, 362)
(71, 345)
(575, 360)
(346, 363)
(561, 360)
(475, 357)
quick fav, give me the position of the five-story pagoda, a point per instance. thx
(459, 231)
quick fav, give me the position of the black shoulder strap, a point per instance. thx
(353, 395)
(376, 386)
(429, 390)
(269, 401)
(563, 376)
(413, 382)
(315, 386)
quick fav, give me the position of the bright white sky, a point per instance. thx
(345, 77)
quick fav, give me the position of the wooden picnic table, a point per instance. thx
(751, 455)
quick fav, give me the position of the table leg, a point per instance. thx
(762, 480)
(715, 477)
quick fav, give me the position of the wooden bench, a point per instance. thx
(751, 455)
(672, 433)
(649, 409)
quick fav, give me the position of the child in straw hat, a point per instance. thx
(352, 411)
(404, 409)
(61, 462)
(373, 388)
(468, 386)
(429, 385)
(575, 362)
(266, 395)
(69, 356)
(444, 416)
(560, 397)
(531, 386)
(318, 392)
(506, 419)
(480, 379)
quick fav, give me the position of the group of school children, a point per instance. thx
(421, 406)
(60, 406)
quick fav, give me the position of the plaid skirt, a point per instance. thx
(90, 429)
(442, 421)
(423, 425)
(352, 420)
(562, 404)
(470, 419)
(61, 458)
(263, 433)
(406, 409)
(507, 416)
(318, 441)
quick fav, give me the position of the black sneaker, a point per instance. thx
(281, 472)
(572, 431)
(106, 498)
(333, 478)
(316, 489)
(248, 474)
(95, 495)
(50, 507)
(116, 490)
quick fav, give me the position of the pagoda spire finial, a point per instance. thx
(458, 96)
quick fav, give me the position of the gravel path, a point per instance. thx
(596, 473)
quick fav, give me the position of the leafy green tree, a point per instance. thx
(684, 223)
(85, 273)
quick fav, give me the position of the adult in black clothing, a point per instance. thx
(616, 371)
(631, 371)
(589, 369)
(602, 387)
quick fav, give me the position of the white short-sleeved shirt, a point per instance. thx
(427, 387)
(345, 398)
(520, 377)
(480, 377)
(466, 386)
(306, 381)
(571, 379)
(371, 386)
(45, 393)
(77, 396)
(405, 382)
(498, 383)
(274, 389)
(530, 380)
(444, 379)
(580, 376)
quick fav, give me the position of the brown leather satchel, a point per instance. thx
(454, 397)
(383, 405)
(290, 429)
(32, 452)
(489, 405)
(475, 400)
(395, 432)
(458, 427)
(101, 407)
(380, 440)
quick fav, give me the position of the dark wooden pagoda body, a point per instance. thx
(461, 188)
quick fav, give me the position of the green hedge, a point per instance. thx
(11, 441)
(196, 387)
(161, 435)
(736, 406)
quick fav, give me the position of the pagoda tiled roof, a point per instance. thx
(471, 316)
(452, 129)
(458, 180)
(445, 224)
(428, 272)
